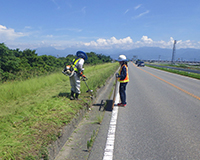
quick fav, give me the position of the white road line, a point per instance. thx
(108, 152)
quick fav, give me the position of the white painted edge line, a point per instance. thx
(109, 149)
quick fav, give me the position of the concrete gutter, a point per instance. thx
(72, 144)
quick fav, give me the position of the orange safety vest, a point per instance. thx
(126, 78)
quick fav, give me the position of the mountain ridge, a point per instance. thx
(145, 53)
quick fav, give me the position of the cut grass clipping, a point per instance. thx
(34, 111)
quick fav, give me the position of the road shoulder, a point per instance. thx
(75, 146)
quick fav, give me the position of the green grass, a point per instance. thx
(13, 90)
(92, 139)
(34, 111)
(188, 74)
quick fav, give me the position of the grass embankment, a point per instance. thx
(188, 74)
(34, 111)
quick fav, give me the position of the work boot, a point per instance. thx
(72, 95)
(119, 104)
(76, 97)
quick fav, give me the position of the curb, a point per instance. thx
(56, 146)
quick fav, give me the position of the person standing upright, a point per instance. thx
(123, 78)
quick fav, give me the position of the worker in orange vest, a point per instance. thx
(123, 78)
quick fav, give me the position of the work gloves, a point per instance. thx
(117, 75)
(83, 76)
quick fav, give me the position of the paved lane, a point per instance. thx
(185, 83)
(161, 121)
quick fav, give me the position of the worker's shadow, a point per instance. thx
(105, 105)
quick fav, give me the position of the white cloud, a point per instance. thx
(148, 42)
(28, 27)
(9, 34)
(141, 14)
(146, 39)
(110, 43)
(138, 6)
(188, 44)
(127, 43)
(126, 11)
(135, 8)
(49, 36)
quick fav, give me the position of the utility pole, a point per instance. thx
(159, 58)
(134, 57)
(173, 53)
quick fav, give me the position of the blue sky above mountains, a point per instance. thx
(100, 24)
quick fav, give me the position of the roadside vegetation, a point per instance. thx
(22, 65)
(35, 108)
(188, 74)
(180, 65)
(34, 111)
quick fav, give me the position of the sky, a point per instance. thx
(99, 24)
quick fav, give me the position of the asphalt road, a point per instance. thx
(160, 122)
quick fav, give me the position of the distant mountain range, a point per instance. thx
(144, 53)
(155, 53)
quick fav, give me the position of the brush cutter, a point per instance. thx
(89, 90)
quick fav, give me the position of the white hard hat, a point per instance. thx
(122, 58)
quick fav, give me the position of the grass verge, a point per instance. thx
(33, 112)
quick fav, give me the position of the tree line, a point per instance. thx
(21, 65)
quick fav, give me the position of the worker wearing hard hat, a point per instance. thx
(78, 72)
(123, 78)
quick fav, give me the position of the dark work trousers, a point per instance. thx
(122, 92)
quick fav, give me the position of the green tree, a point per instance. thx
(31, 56)
(104, 58)
(8, 61)
(92, 58)
(16, 64)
